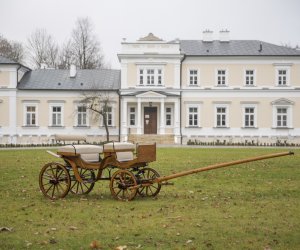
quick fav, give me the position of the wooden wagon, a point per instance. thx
(124, 165)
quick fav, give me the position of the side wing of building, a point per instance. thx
(47, 102)
(240, 91)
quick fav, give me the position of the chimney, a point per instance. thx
(260, 47)
(72, 70)
(207, 36)
(224, 36)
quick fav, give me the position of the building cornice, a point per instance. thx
(150, 55)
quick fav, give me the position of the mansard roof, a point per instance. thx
(57, 79)
(235, 48)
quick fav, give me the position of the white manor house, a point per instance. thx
(166, 91)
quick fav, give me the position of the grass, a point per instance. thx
(251, 206)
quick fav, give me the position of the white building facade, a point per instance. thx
(209, 90)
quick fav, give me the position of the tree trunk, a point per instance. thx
(106, 126)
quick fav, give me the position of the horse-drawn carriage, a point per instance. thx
(124, 165)
(86, 164)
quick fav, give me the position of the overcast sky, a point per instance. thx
(275, 21)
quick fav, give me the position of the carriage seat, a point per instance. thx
(89, 153)
(124, 150)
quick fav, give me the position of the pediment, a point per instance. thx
(151, 94)
(282, 101)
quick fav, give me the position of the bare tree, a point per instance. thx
(100, 104)
(85, 47)
(288, 45)
(42, 49)
(11, 49)
(65, 58)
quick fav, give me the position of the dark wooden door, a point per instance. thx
(150, 120)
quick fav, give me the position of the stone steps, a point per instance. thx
(159, 139)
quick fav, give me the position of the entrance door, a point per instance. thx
(150, 120)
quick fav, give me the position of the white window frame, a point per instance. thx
(112, 117)
(289, 114)
(141, 77)
(226, 78)
(61, 105)
(287, 69)
(135, 115)
(244, 107)
(197, 106)
(189, 76)
(25, 114)
(150, 77)
(77, 114)
(159, 75)
(155, 76)
(169, 113)
(245, 78)
(226, 106)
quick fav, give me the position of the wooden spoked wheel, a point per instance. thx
(146, 175)
(54, 181)
(88, 177)
(121, 184)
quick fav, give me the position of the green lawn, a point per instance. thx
(250, 206)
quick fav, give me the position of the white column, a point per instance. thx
(139, 117)
(176, 118)
(13, 116)
(124, 132)
(162, 116)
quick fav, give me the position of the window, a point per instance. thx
(159, 77)
(81, 116)
(193, 77)
(249, 78)
(168, 116)
(151, 76)
(282, 77)
(109, 117)
(221, 117)
(141, 76)
(193, 116)
(282, 113)
(30, 115)
(56, 115)
(221, 77)
(249, 121)
(281, 117)
(132, 116)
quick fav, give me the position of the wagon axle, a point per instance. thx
(133, 176)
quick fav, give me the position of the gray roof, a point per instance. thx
(58, 79)
(235, 48)
(4, 60)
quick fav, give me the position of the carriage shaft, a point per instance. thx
(219, 165)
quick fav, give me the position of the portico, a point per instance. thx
(150, 112)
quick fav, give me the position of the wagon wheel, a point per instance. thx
(154, 188)
(120, 185)
(88, 176)
(54, 181)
